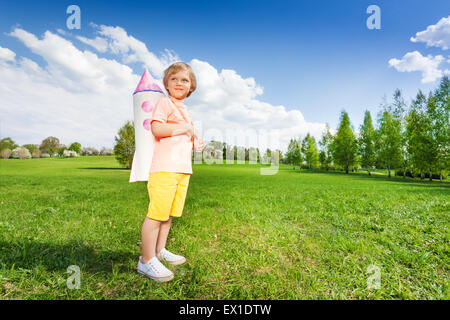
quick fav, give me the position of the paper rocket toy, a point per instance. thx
(145, 97)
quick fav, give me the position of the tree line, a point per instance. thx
(411, 139)
(49, 147)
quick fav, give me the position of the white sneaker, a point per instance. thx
(170, 257)
(155, 270)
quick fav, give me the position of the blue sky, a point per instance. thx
(317, 57)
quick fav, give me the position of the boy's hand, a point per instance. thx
(198, 144)
(189, 130)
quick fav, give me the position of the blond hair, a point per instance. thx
(176, 67)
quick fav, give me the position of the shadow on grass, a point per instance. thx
(29, 255)
(435, 184)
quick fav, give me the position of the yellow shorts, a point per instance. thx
(167, 192)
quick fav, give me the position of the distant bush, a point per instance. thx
(89, 151)
(45, 155)
(31, 147)
(106, 151)
(70, 154)
(21, 153)
(36, 153)
(6, 153)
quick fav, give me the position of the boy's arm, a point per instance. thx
(162, 130)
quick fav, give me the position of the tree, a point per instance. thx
(415, 122)
(431, 135)
(366, 142)
(76, 146)
(441, 124)
(344, 145)
(5, 153)
(125, 145)
(21, 153)
(61, 149)
(293, 154)
(325, 155)
(7, 143)
(31, 147)
(36, 153)
(252, 155)
(388, 140)
(309, 149)
(399, 113)
(50, 145)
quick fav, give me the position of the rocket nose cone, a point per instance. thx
(147, 83)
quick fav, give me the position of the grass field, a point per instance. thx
(293, 235)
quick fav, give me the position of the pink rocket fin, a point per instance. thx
(147, 83)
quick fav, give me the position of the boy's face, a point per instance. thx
(179, 85)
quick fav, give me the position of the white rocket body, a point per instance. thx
(145, 97)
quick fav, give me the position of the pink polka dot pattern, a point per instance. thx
(147, 106)
(146, 124)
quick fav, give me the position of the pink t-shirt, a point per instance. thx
(172, 154)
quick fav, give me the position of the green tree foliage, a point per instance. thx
(388, 140)
(309, 150)
(416, 132)
(344, 146)
(366, 142)
(399, 113)
(76, 146)
(325, 155)
(31, 147)
(441, 124)
(50, 145)
(7, 143)
(125, 144)
(61, 149)
(430, 136)
(293, 154)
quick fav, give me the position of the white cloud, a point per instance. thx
(100, 44)
(226, 101)
(117, 41)
(63, 32)
(7, 54)
(437, 35)
(73, 69)
(414, 61)
(79, 96)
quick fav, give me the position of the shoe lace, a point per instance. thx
(168, 255)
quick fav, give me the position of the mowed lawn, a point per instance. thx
(293, 235)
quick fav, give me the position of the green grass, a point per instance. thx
(293, 235)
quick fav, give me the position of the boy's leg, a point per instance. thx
(163, 233)
(176, 210)
(180, 195)
(161, 188)
(149, 236)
